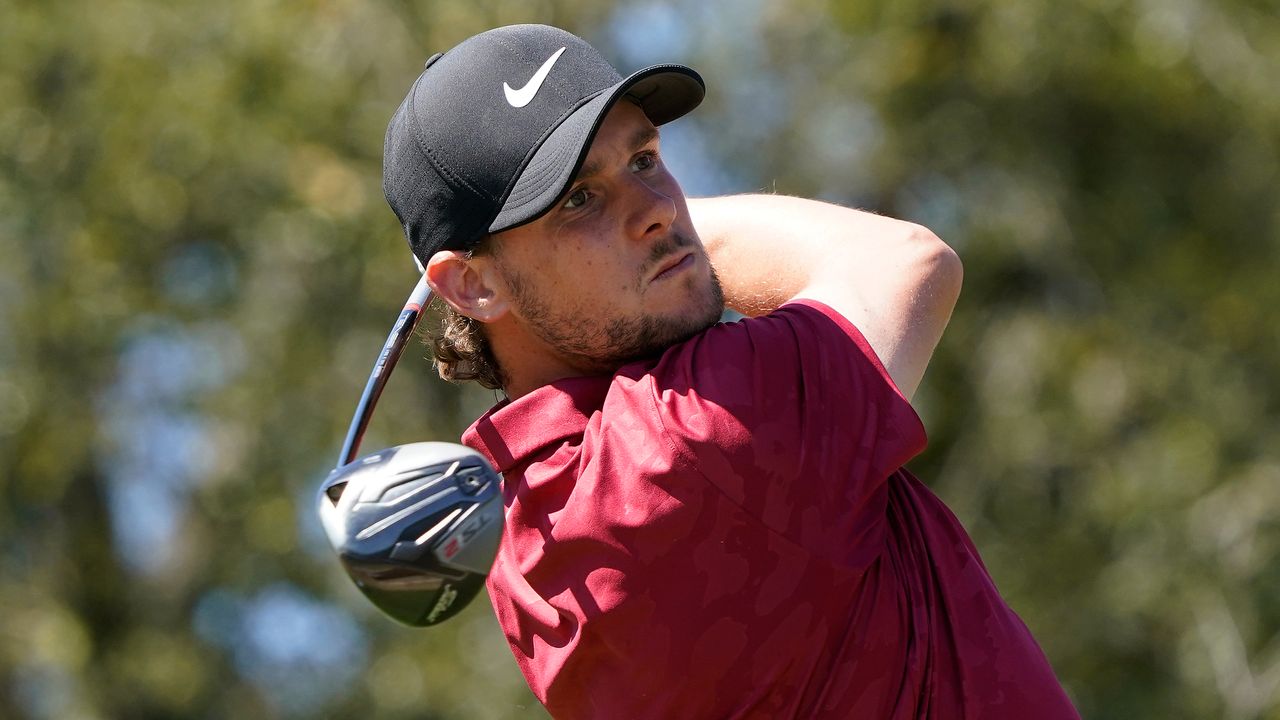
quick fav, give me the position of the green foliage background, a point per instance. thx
(197, 269)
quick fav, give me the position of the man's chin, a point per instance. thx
(627, 340)
(707, 314)
(674, 331)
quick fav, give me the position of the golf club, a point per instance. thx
(415, 526)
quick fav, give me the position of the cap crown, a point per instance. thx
(458, 143)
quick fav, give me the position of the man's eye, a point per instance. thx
(576, 198)
(645, 161)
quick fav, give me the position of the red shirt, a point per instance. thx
(727, 532)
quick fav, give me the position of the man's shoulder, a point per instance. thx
(742, 360)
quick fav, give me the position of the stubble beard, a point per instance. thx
(602, 345)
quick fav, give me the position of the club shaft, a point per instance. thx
(387, 359)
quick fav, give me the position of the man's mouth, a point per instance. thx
(674, 265)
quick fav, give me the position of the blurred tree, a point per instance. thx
(197, 270)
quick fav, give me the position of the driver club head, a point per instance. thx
(416, 527)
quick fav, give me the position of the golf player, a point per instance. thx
(703, 519)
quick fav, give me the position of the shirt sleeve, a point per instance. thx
(793, 417)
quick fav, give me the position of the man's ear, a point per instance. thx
(468, 284)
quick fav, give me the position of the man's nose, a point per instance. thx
(652, 209)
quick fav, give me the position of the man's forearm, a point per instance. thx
(895, 280)
(768, 248)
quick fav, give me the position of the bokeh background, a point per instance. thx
(197, 270)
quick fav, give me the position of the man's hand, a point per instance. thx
(895, 281)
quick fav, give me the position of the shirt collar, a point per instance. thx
(513, 430)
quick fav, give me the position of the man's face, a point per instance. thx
(615, 272)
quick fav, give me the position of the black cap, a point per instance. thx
(493, 131)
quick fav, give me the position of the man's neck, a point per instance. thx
(528, 363)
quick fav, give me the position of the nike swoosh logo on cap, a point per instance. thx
(523, 96)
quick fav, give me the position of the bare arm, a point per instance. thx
(894, 280)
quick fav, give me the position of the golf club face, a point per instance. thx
(416, 527)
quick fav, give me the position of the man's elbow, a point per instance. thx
(939, 271)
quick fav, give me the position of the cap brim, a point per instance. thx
(664, 92)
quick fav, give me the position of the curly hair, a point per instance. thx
(461, 351)
(460, 347)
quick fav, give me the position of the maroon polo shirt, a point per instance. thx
(727, 532)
